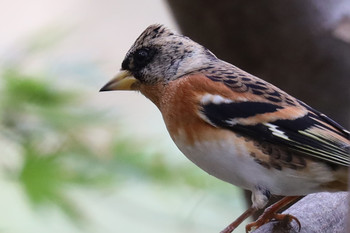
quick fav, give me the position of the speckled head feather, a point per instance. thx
(161, 55)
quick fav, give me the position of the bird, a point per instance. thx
(234, 125)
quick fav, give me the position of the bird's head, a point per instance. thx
(158, 56)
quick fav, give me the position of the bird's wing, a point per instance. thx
(261, 111)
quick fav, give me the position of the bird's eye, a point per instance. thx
(141, 54)
(142, 57)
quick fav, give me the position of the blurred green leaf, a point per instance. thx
(50, 125)
(47, 122)
(42, 177)
(21, 89)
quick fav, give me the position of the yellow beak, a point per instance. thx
(122, 81)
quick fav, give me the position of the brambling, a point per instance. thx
(235, 126)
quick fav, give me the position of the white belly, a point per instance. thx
(231, 162)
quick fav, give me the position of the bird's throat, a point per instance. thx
(153, 92)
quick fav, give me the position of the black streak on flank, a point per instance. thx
(220, 113)
(262, 163)
(276, 166)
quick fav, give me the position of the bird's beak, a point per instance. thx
(124, 80)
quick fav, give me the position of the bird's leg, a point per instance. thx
(239, 220)
(260, 197)
(270, 213)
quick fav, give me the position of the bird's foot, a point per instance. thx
(267, 216)
(270, 213)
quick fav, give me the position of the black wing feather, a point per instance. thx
(294, 134)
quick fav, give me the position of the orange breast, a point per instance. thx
(179, 106)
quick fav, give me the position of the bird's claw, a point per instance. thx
(265, 218)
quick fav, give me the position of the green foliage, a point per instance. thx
(25, 90)
(39, 118)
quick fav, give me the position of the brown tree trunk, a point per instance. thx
(292, 44)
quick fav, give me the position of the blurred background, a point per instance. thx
(76, 160)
